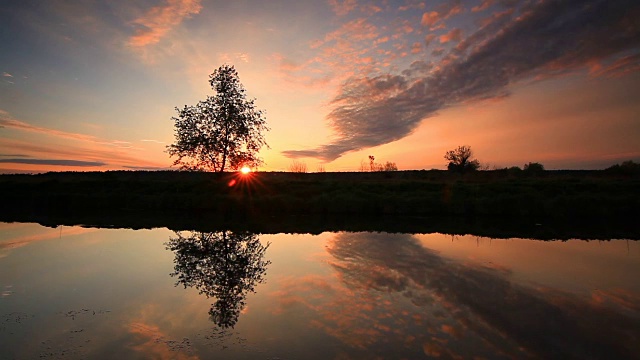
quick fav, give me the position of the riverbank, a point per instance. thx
(559, 195)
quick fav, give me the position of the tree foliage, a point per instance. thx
(225, 131)
(460, 159)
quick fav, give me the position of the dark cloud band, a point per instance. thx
(78, 163)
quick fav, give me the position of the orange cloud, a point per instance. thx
(158, 21)
(453, 35)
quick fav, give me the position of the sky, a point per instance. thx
(90, 85)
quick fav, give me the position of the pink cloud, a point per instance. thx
(416, 48)
(435, 19)
(344, 7)
(429, 19)
(370, 9)
(453, 35)
(419, 5)
(483, 6)
(381, 40)
(7, 121)
(158, 21)
(620, 67)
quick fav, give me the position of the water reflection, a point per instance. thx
(510, 319)
(222, 265)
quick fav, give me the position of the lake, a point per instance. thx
(74, 293)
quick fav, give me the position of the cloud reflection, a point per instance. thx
(507, 318)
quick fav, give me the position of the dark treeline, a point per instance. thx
(151, 199)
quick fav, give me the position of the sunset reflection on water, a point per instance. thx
(100, 293)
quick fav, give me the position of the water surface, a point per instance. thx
(73, 292)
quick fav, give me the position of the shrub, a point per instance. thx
(533, 168)
(298, 167)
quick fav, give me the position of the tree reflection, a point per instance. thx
(222, 265)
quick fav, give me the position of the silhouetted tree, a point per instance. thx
(222, 265)
(533, 168)
(460, 159)
(223, 131)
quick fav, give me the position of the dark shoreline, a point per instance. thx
(499, 203)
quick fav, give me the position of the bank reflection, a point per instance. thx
(223, 265)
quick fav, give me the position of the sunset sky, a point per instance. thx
(92, 85)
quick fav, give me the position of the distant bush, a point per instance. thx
(390, 166)
(533, 168)
(626, 168)
(298, 167)
(374, 166)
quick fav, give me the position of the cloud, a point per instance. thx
(428, 39)
(53, 162)
(7, 121)
(453, 35)
(6, 74)
(620, 67)
(101, 153)
(547, 39)
(344, 7)
(15, 155)
(435, 19)
(416, 48)
(149, 168)
(480, 305)
(158, 21)
(483, 6)
(430, 18)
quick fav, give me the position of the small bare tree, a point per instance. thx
(298, 167)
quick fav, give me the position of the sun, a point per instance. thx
(245, 170)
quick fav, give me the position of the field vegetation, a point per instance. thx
(612, 193)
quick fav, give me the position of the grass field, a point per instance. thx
(557, 194)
